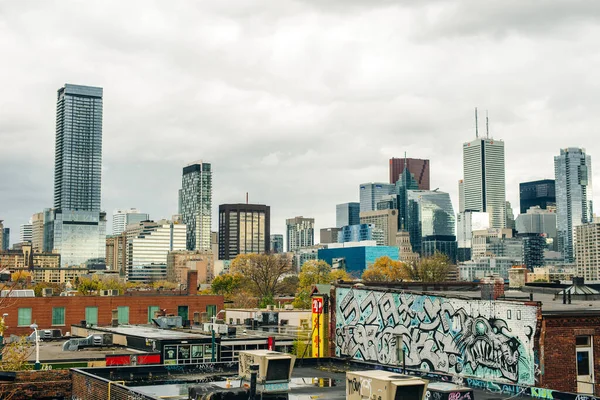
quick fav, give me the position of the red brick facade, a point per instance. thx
(38, 385)
(75, 306)
(558, 367)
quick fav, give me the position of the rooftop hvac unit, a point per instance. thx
(288, 307)
(47, 292)
(387, 385)
(273, 367)
(105, 293)
(114, 292)
(170, 322)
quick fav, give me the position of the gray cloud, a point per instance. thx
(294, 102)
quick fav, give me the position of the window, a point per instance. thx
(151, 311)
(123, 314)
(583, 363)
(211, 311)
(58, 315)
(91, 315)
(582, 341)
(24, 317)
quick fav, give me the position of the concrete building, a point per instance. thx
(385, 220)
(180, 262)
(149, 249)
(79, 226)
(371, 193)
(482, 239)
(406, 253)
(484, 187)
(418, 168)
(486, 266)
(361, 232)
(195, 204)
(26, 233)
(122, 218)
(356, 257)
(587, 250)
(116, 253)
(276, 243)
(303, 255)
(539, 221)
(540, 194)
(300, 233)
(574, 206)
(466, 223)
(347, 214)
(42, 236)
(328, 235)
(243, 229)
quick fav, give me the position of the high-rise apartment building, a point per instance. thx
(384, 220)
(276, 243)
(574, 206)
(371, 193)
(79, 226)
(195, 204)
(26, 233)
(347, 214)
(149, 250)
(243, 229)
(122, 218)
(483, 185)
(537, 193)
(587, 250)
(300, 233)
(42, 232)
(418, 168)
(116, 253)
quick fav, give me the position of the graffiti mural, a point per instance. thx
(470, 338)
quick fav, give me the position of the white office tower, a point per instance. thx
(484, 187)
(122, 218)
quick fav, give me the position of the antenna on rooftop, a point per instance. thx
(476, 124)
(487, 125)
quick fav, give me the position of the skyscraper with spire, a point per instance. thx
(483, 188)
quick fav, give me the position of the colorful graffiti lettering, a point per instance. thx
(470, 338)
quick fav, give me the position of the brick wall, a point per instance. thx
(75, 309)
(38, 385)
(558, 351)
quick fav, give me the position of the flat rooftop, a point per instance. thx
(308, 382)
(53, 352)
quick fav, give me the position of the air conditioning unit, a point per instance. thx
(273, 368)
(288, 307)
(388, 385)
(114, 292)
(105, 293)
(47, 292)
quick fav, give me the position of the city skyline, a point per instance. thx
(420, 113)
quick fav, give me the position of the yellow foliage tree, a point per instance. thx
(20, 276)
(263, 272)
(384, 269)
(314, 272)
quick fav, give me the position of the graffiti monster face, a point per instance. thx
(486, 345)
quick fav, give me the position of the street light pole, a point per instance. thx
(37, 365)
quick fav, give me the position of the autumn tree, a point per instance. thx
(263, 272)
(288, 285)
(227, 284)
(434, 268)
(384, 269)
(314, 272)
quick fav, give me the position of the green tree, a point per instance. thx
(263, 272)
(88, 285)
(288, 285)
(226, 284)
(384, 269)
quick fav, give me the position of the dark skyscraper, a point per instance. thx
(417, 167)
(537, 193)
(243, 229)
(195, 204)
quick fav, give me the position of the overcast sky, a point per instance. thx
(295, 102)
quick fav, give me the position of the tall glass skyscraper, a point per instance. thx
(574, 206)
(195, 204)
(430, 218)
(347, 214)
(79, 226)
(371, 193)
(483, 188)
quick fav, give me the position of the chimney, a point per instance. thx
(192, 283)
